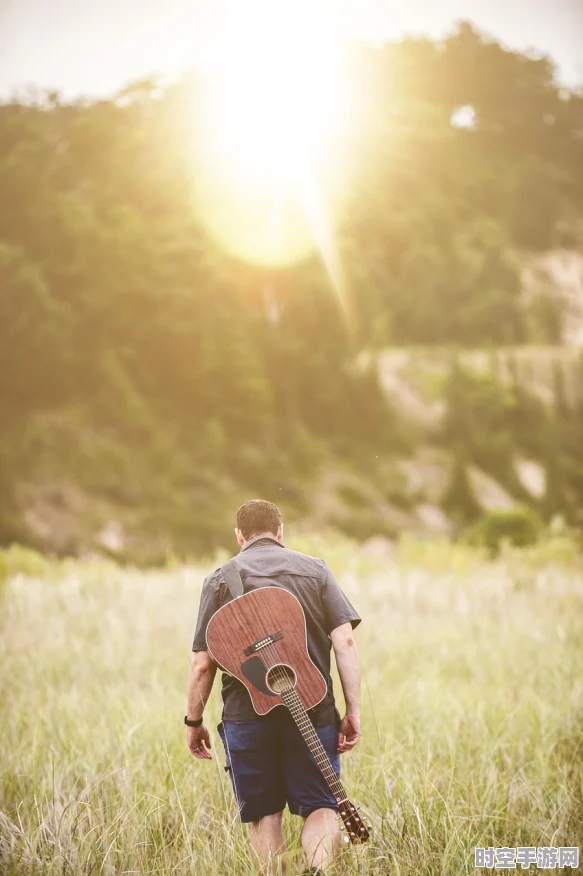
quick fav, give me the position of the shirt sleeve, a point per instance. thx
(209, 604)
(337, 608)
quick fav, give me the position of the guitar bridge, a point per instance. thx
(262, 643)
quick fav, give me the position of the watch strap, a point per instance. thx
(192, 723)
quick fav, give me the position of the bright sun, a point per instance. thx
(278, 112)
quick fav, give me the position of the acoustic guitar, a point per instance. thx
(260, 638)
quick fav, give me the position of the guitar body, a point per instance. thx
(243, 624)
(260, 638)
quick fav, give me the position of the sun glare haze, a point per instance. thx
(277, 116)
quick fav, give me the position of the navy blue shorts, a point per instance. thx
(270, 765)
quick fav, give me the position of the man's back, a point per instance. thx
(266, 562)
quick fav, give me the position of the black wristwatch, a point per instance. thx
(192, 723)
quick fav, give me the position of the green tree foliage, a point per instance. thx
(480, 415)
(459, 500)
(563, 451)
(115, 302)
(520, 526)
(34, 325)
(573, 456)
(491, 420)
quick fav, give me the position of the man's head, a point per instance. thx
(258, 517)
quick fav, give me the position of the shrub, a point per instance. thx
(17, 559)
(520, 526)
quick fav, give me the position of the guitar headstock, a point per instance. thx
(356, 830)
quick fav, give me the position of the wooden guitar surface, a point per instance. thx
(260, 638)
(274, 616)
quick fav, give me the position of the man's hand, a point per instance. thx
(349, 733)
(348, 669)
(200, 681)
(199, 742)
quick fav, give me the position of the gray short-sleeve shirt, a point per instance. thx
(266, 562)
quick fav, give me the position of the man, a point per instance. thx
(267, 759)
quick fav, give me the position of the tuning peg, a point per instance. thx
(346, 839)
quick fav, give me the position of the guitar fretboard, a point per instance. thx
(293, 702)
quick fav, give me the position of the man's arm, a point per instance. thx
(349, 671)
(200, 682)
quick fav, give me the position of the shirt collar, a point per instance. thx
(257, 538)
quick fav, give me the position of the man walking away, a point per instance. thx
(267, 759)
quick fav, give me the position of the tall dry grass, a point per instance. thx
(472, 714)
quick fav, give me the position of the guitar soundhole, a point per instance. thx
(281, 678)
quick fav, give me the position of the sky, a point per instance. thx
(95, 47)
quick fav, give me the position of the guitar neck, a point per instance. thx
(356, 830)
(292, 700)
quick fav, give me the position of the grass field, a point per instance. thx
(472, 714)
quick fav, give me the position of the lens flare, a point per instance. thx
(270, 143)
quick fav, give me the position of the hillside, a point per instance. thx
(81, 490)
(417, 365)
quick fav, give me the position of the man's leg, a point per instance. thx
(308, 793)
(268, 843)
(321, 837)
(253, 753)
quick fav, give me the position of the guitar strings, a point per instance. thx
(298, 712)
(304, 722)
(288, 696)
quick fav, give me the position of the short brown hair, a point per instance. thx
(257, 516)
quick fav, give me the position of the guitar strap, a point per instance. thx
(232, 578)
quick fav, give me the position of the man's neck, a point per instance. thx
(260, 535)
